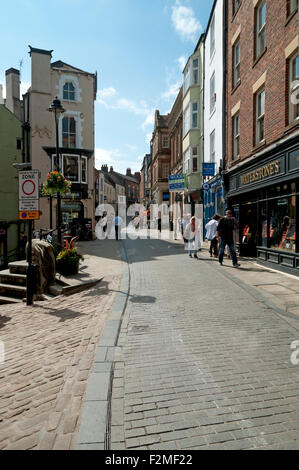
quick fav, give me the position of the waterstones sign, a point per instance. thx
(266, 171)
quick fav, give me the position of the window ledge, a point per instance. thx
(291, 126)
(236, 87)
(259, 146)
(259, 57)
(289, 18)
(235, 160)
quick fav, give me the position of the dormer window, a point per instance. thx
(69, 91)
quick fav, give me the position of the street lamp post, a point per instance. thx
(57, 109)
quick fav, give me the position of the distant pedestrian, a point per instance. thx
(225, 233)
(118, 221)
(211, 228)
(191, 237)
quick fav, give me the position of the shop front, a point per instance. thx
(264, 196)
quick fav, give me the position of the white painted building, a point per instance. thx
(214, 100)
(213, 93)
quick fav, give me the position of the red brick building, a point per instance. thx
(160, 166)
(175, 123)
(262, 146)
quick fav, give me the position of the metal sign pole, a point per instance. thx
(30, 270)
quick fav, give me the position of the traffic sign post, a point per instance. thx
(29, 210)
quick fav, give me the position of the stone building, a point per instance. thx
(76, 89)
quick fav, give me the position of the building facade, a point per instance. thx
(262, 168)
(10, 152)
(76, 89)
(175, 123)
(193, 101)
(160, 164)
(214, 108)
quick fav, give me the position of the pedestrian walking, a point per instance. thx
(118, 221)
(211, 228)
(191, 237)
(225, 234)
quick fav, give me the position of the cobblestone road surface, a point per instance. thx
(49, 351)
(203, 363)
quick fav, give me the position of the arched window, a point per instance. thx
(69, 91)
(68, 132)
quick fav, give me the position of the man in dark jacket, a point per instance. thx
(225, 233)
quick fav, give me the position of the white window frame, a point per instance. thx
(78, 164)
(195, 71)
(194, 113)
(236, 75)
(212, 93)
(260, 28)
(195, 156)
(236, 136)
(260, 118)
(69, 134)
(212, 147)
(212, 37)
(68, 99)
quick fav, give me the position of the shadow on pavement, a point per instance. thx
(4, 319)
(64, 314)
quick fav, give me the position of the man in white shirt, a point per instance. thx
(118, 221)
(211, 228)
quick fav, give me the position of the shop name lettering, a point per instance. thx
(267, 170)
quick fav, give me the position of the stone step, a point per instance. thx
(10, 290)
(18, 267)
(9, 300)
(6, 277)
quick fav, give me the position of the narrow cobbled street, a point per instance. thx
(205, 362)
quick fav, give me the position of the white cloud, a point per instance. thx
(149, 120)
(115, 158)
(172, 91)
(106, 93)
(185, 22)
(149, 136)
(181, 63)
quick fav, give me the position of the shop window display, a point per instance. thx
(283, 224)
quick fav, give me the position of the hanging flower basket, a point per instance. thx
(55, 183)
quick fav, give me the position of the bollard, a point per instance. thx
(31, 283)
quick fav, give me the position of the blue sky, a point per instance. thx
(138, 48)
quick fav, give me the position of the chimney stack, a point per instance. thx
(129, 172)
(40, 70)
(137, 175)
(13, 91)
(105, 168)
(1, 95)
(111, 169)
